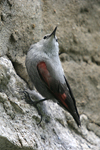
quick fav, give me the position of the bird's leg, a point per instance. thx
(31, 102)
(38, 101)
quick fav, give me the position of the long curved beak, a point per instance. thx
(53, 33)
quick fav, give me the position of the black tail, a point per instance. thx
(73, 111)
(76, 118)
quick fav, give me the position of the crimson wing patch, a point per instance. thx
(54, 86)
(62, 92)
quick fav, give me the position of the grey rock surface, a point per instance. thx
(23, 23)
(85, 81)
(18, 120)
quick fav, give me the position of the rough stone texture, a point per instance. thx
(18, 120)
(23, 23)
(85, 80)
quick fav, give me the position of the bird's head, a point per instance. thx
(50, 43)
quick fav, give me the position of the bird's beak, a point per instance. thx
(53, 33)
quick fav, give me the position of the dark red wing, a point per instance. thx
(61, 92)
(55, 87)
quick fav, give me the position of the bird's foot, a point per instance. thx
(30, 101)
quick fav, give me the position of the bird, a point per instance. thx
(47, 75)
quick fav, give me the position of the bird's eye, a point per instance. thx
(45, 37)
(56, 40)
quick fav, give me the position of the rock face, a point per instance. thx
(23, 23)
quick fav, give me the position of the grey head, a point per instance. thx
(50, 43)
(52, 35)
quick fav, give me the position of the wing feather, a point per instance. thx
(54, 86)
(62, 92)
